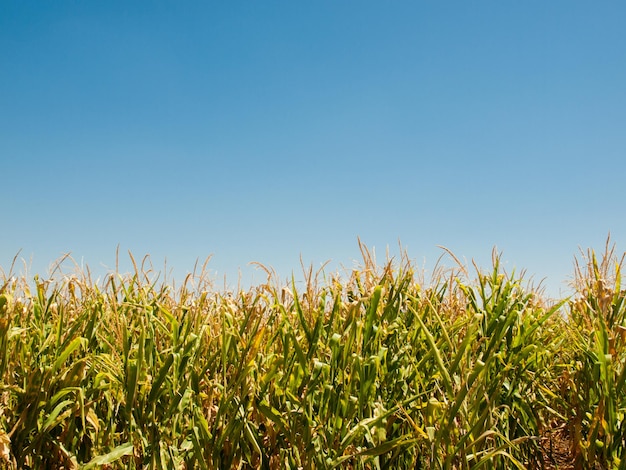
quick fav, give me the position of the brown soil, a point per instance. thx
(557, 444)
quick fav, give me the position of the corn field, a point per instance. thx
(376, 370)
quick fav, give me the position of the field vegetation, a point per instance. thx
(377, 369)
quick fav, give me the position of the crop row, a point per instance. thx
(378, 370)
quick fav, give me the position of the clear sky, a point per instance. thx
(271, 131)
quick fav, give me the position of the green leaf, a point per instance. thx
(69, 349)
(52, 420)
(156, 385)
(115, 454)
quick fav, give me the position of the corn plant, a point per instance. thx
(377, 369)
(597, 379)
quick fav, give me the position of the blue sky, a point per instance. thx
(278, 130)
